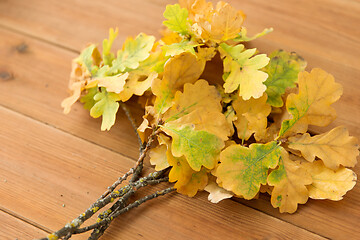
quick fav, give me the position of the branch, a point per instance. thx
(124, 192)
(132, 121)
(133, 170)
(126, 209)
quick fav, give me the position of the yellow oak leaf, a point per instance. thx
(311, 106)
(198, 9)
(136, 85)
(206, 53)
(217, 193)
(112, 83)
(199, 107)
(158, 156)
(242, 170)
(169, 37)
(327, 183)
(289, 181)
(198, 181)
(241, 71)
(251, 116)
(181, 69)
(231, 117)
(180, 172)
(79, 77)
(224, 23)
(144, 130)
(334, 148)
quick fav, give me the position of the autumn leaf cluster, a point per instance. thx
(235, 133)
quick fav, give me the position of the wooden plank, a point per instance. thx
(14, 228)
(52, 176)
(34, 82)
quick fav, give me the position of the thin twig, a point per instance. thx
(138, 163)
(132, 121)
(133, 188)
(120, 204)
(126, 209)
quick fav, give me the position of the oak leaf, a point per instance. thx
(311, 106)
(88, 98)
(199, 107)
(289, 181)
(136, 85)
(198, 9)
(200, 148)
(181, 69)
(158, 155)
(251, 116)
(283, 71)
(177, 19)
(106, 106)
(244, 38)
(327, 183)
(113, 83)
(178, 48)
(180, 171)
(86, 64)
(108, 56)
(242, 170)
(241, 71)
(217, 193)
(198, 181)
(134, 51)
(334, 148)
(223, 24)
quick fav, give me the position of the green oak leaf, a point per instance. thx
(244, 38)
(283, 71)
(108, 57)
(88, 99)
(242, 170)
(178, 48)
(200, 148)
(134, 51)
(177, 19)
(89, 58)
(106, 106)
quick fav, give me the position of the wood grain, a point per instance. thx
(33, 81)
(14, 228)
(53, 176)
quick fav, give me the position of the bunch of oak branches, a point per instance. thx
(236, 133)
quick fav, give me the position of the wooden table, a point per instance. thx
(53, 166)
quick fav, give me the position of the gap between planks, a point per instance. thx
(25, 220)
